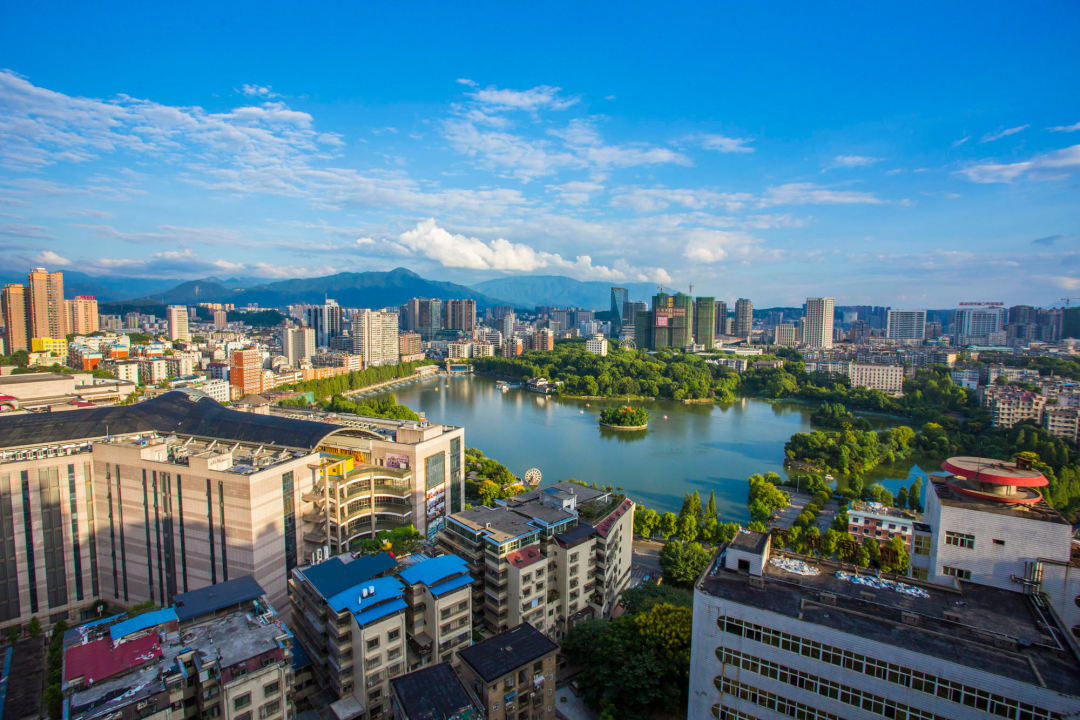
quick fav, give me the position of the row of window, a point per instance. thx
(956, 572)
(781, 705)
(960, 539)
(889, 672)
(882, 707)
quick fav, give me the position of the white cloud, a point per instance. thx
(583, 139)
(49, 258)
(645, 200)
(726, 144)
(258, 91)
(811, 194)
(576, 193)
(961, 141)
(99, 214)
(542, 97)
(713, 246)
(1004, 132)
(852, 161)
(1048, 166)
(1065, 128)
(170, 234)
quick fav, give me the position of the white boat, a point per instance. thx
(828, 477)
(665, 417)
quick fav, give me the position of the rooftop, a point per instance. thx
(876, 508)
(525, 557)
(561, 489)
(433, 693)
(750, 541)
(500, 524)
(544, 514)
(1033, 511)
(987, 616)
(506, 652)
(145, 621)
(576, 535)
(188, 413)
(212, 598)
(342, 572)
(434, 570)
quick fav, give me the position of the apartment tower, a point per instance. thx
(744, 319)
(82, 315)
(375, 336)
(907, 325)
(13, 297)
(178, 323)
(46, 314)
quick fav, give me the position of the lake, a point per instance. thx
(702, 447)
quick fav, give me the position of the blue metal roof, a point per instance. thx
(334, 575)
(379, 612)
(451, 585)
(433, 571)
(300, 658)
(141, 622)
(349, 599)
(216, 597)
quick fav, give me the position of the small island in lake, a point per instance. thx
(624, 418)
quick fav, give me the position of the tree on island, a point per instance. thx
(624, 416)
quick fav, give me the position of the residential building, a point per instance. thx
(619, 297)
(536, 560)
(82, 315)
(375, 336)
(743, 325)
(1012, 374)
(438, 592)
(980, 321)
(784, 335)
(228, 660)
(297, 345)
(53, 346)
(459, 315)
(178, 323)
(881, 523)
(705, 322)
(433, 693)
(887, 378)
(1063, 422)
(772, 642)
(221, 319)
(246, 371)
(513, 674)
(409, 344)
(14, 299)
(123, 369)
(668, 324)
(1009, 405)
(152, 370)
(906, 325)
(424, 315)
(46, 314)
(216, 389)
(597, 345)
(506, 324)
(513, 347)
(325, 320)
(818, 330)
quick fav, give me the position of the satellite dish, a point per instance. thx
(532, 477)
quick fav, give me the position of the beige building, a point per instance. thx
(886, 378)
(82, 315)
(1063, 422)
(46, 314)
(784, 335)
(375, 337)
(221, 319)
(597, 345)
(1009, 405)
(178, 323)
(513, 674)
(818, 331)
(14, 300)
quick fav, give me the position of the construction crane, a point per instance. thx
(1067, 299)
(691, 291)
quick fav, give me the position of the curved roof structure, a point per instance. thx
(180, 412)
(994, 472)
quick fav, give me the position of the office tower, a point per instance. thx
(744, 319)
(906, 325)
(178, 323)
(705, 322)
(297, 345)
(619, 297)
(221, 319)
(325, 320)
(246, 371)
(459, 315)
(14, 299)
(46, 313)
(630, 310)
(819, 323)
(784, 335)
(375, 337)
(82, 315)
(721, 318)
(424, 317)
(506, 324)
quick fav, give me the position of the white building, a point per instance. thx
(375, 337)
(178, 323)
(217, 389)
(784, 335)
(980, 321)
(887, 378)
(597, 345)
(298, 345)
(819, 322)
(152, 371)
(506, 324)
(906, 325)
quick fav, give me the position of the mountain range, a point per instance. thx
(533, 290)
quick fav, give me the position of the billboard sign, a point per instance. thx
(661, 321)
(982, 304)
(435, 503)
(397, 461)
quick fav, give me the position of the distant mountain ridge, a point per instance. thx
(533, 290)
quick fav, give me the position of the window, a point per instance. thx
(999, 542)
(244, 716)
(956, 572)
(393, 635)
(271, 689)
(374, 695)
(573, 570)
(372, 643)
(921, 545)
(920, 573)
(269, 709)
(242, 701)
(573, 557)
(960, 540)
(538, 667)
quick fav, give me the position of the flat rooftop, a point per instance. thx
(986, 614)
(562, 489)
(1035, 511)
(433, 693)
(213, 598)
(500, 524)
(876, 508)
(507, 651)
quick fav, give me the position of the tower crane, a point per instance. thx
(1067, 299)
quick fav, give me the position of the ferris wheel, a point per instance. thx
(627, 344)
(532, 477)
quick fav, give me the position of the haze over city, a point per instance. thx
(876, 157)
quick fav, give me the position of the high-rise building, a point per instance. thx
(506, 324)
(409, 344)
(14, 299)
(980, 321)
(297, 345)
(744, 319)
(721, 318)
(705, 322)
(668, 324)
(425, 317)
(221, 319)
(82, 315)
(46, 313)
(375, 337)
(784, 335)
(178, 323)
(906, 325)
(818, 332)
(325, 320)
(246, 371)
(459, 315)
(619, 297)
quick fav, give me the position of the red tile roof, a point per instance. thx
(98, 660)
(604, 526)
(525, 556)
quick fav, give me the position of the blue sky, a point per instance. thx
(908, 156)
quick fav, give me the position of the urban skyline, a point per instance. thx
(917, 191)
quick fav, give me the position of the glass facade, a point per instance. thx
(9, 569)
(455, 477)
(435, 470)
(75, 545)
(288, 503)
